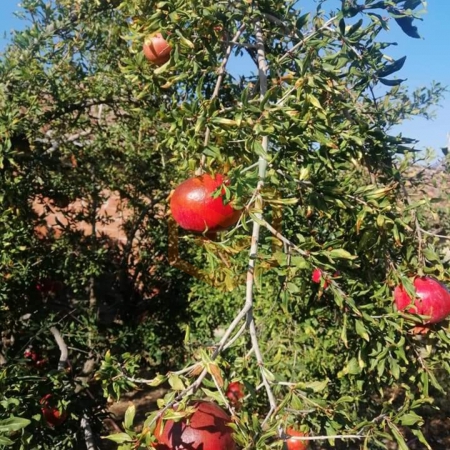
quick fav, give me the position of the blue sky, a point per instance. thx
(428, 59)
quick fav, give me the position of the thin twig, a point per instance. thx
(235, 337)
(307, 38)
(283, 239)
(324, 438)
(429, 233)
(416, 224)
(221, 74)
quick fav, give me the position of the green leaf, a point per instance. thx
(259, 150)
(314, 101)
(176, 383)
(398, 437)
(5, 441)
(410, 419)
(13, 424)
(421, 437)
(361, 330)
(223, 121)
(129, 417)
(340, 253)
(316, 386)
(120, 438)
(268, 374)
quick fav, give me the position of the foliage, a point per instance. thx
(84, 115)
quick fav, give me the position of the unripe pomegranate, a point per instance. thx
(206, 429)
(433, 299)
(295, 444)
(194, 208)
(157, 49)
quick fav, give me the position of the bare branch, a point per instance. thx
(88, 434)
(262, 167)
(429, 233)
(221, 72)
(63, 359)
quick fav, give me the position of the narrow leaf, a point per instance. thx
(389, 69)
(391, 82)
(408, 28)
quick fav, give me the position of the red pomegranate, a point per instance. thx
(317, 277)
(34, 359)
(52, 416)
(294, 444)
(206, 429)
(235, 393)
(157, 49)
(433, 299)
(194, 208)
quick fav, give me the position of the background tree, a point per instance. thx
(307, 136)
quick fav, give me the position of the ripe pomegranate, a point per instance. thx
(235, 393)
(52, 416)
(206, 429)
(433, 299)
(317, 277)
(194, 208)
(293, 444)
(157, 49)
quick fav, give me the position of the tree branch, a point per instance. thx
(262, 167)
(221, 72)
(62, 348)
(88, 434)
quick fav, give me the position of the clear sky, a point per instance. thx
(428, 59)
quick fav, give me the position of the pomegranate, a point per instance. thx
(34, 359)
(433, 299)
(206, 429)
(157, 49)
(235, 393)
(317, 277)
(52, 416)
(194, 208)
(295, 444)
